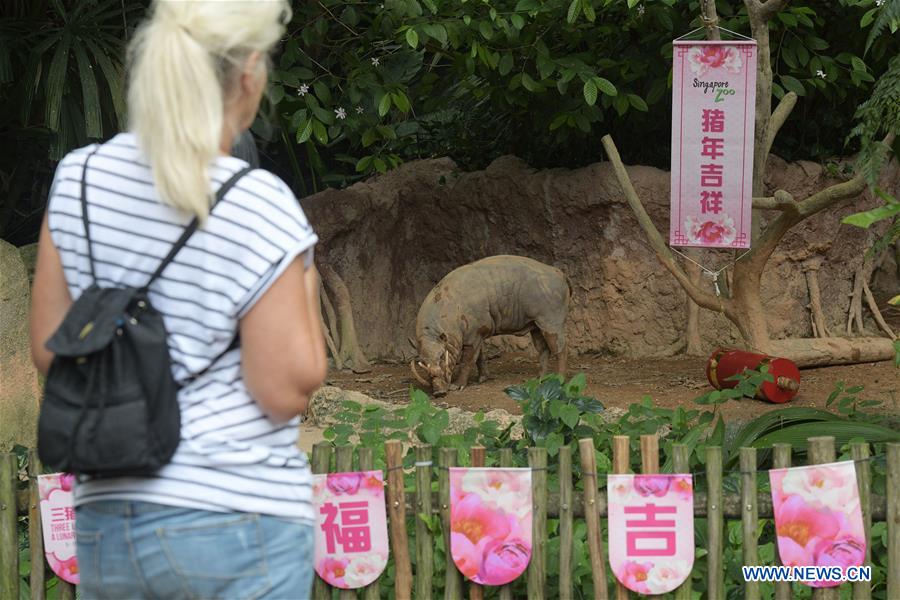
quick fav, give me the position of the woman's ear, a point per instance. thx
(252, 82)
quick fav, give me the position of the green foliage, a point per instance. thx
(556, 413)
(364, 87)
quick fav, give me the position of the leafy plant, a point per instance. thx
(555, 412)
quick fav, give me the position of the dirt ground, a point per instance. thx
(621, 382)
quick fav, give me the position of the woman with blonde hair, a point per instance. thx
(230, 515)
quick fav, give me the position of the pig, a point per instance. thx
(498, 295)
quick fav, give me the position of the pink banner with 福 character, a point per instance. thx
(651, 531)
(713, 115)
(351, 540)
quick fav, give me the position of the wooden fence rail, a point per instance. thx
(431, 469)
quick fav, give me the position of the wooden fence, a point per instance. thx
(716, 507)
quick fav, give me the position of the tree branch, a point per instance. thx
(781, 201)
(665, 256)
(779, 116)
(831, 195)
(710, 19)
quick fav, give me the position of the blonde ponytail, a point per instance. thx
(183, 62)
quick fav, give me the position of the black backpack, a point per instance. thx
(110, 401)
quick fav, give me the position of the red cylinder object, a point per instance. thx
(726, 363)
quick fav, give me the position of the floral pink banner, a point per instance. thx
(713, 109)
(818, 518)
(351, 538)
(58, 524)
(651, 531)
(490, 523)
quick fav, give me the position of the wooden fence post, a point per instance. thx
(38, 579)
(592, 518)
(621, 465)
(367, 463)
(537, 572)
(343, 463)
(565, 523)
(715, 524)
(781, 459)
(749, 518)
(321, 464)
(424, 539)
(893, 520)
(396, 498)
(681, 463)
(9, 535)
(452, 577)
(476, 456)
(862, 590)
(506, 460)
(821, 450)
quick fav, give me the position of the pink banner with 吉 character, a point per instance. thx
(713, 116)
(818, 517)
(351, 539)
(58, 524)
(651, 531)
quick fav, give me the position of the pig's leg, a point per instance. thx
(481, 363)
(556, 342)
(466, 362)
(540, 344)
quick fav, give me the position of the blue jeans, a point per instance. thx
(129, 550)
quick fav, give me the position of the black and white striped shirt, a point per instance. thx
(231, 456)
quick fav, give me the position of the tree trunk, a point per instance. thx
(823, 352)
(350, 353)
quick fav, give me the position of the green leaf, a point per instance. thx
(112, 75)
(866, 218)
(633, 3)
(793, 84)
(590, 92)
(574, 9)
(385, 105)
(322, 92)
(787, 18)
(589, 13)
(485, 29)
(858, 64)
(90, 97)
(638, 102)
(868, 17)
(506, 64)
(527, 5)
(517, 21)
(304, 131)
(400, 101)
(412, 38)
(369, 137)
(605, 86)
(56, 81)
(319, 131)
(530, 84)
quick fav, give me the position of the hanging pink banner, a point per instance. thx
(651, 531)
(818, 518)
(58, 524)
(351, 541)
(490, 523)
(713, 112)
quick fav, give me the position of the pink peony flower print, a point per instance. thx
(363, 569)
(504, 561)
(824, 486)
(666, 576)
(373, 484)
(621, 489)
(66, 482)
(333, 570)
(344, 483)
(800, 528)
(500, 490)
(844, 552)
(634, 576)
(719, 231)
(651, 485)
(683, 487)
(473, 526)
(704, 57)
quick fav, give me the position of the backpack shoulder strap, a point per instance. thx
(84, 213)
(192, 227)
